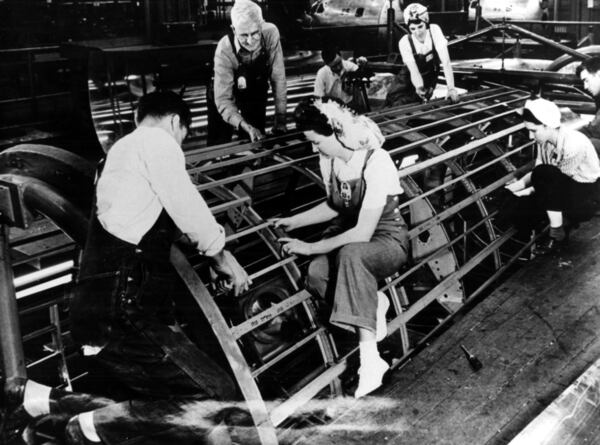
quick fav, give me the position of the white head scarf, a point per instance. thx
(416, 12)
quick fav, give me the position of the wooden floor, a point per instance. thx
(535, 335)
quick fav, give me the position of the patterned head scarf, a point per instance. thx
(352, 131)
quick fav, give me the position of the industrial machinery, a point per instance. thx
(452, 160)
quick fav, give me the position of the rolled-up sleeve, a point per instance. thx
(278, 81)
(320, 84)
(178, 195)
(223, 83)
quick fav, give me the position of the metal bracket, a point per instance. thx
(13, 211)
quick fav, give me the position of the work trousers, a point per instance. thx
(350, 274)
(556, 191)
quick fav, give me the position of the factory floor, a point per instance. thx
(535, 335)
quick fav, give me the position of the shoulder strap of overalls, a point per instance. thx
(235, 53)
(412, 45)
(433, 50)
(362, 175)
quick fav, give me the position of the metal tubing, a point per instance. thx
(441, 216)
(451, 117)
(300, 343)
(391, 19)
(11, 348)
(234, 355)
(474, 144)
(398, 150)
(438, 290)
(466, 175)
(397, 279)
(474, 35)
(445, 103)
(269, 314)
(509, 27)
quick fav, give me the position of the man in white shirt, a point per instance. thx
(329, 80)
(332, 78)
(123, 308)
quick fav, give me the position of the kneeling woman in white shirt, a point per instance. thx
(367, 239)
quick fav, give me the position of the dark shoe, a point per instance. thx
(14, 417)
(546, 247)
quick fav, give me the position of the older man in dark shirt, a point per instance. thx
(245, 61)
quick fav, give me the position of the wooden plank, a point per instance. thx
(570, 419)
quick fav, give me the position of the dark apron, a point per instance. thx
(250, 91)
(402, 90)
(346, 197)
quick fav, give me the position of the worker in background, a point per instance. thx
(122, 312)
(333, 78)
(564, 181)
(422, 51)
(589, 73)
(245, 61)
(367, 239)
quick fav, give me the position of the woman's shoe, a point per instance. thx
(370, 376)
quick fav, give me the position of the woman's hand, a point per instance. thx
(293, 246)
(524, 192)
(287, 224)
(452, 94)
(515, 186)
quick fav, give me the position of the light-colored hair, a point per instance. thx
(246, 11)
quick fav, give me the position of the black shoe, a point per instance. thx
(14, 417)
(546, 247)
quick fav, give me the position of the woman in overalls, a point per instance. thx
(422, 51)
(245, 61)
(367, 239)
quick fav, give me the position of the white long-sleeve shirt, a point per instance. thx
(328, 83)
(144, 173)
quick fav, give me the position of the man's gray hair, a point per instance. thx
(244, 11)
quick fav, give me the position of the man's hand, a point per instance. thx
(253, 132)
(279, 129)
(452, 94)
(279, 126)
(228, 269)
(286, 224)
(295, 246)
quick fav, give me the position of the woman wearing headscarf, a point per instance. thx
(564, 181)
(367, 239)
(422, 52)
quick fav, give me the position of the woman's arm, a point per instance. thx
(361, 232)
(409, 61)
(318, 214)
(441, 46)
